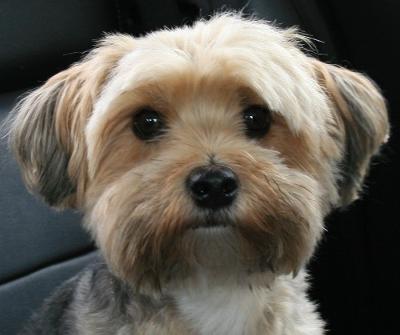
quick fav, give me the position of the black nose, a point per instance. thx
(212, 187)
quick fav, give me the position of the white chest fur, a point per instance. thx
(222, 309)
(210, 307)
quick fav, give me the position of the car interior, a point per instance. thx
(352, 273)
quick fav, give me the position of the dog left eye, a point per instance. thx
(257, 120)
(148, 124)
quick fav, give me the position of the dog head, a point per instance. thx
(218, 141)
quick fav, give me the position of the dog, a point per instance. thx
(205, 159)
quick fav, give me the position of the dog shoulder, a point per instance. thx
(52, 317)
(57, 313)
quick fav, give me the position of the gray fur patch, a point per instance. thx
(363, 132)
(34, 141)
(94, 302)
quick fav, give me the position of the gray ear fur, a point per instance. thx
(361, 121)
(46, 129)
(34, 141)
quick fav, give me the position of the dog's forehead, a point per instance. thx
(226, 50)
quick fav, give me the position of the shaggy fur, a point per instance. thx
(165, 273)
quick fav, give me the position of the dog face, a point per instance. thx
(221, 143)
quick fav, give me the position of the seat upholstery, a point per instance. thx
(39, 247)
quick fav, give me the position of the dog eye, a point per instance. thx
(257, 120)
(148, 124)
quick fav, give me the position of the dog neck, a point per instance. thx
(210, 307)
(220, 296)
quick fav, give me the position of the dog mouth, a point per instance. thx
(212, 221)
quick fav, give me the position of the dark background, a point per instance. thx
(355, 270)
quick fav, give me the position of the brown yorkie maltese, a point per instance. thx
(205, 159)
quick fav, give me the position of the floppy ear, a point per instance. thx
(360, 124)
(46, 130)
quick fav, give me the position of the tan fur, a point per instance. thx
(327, 124)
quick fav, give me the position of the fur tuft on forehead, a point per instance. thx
(251, 54)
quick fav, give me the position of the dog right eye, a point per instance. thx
(257, 120)
(148, 124)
